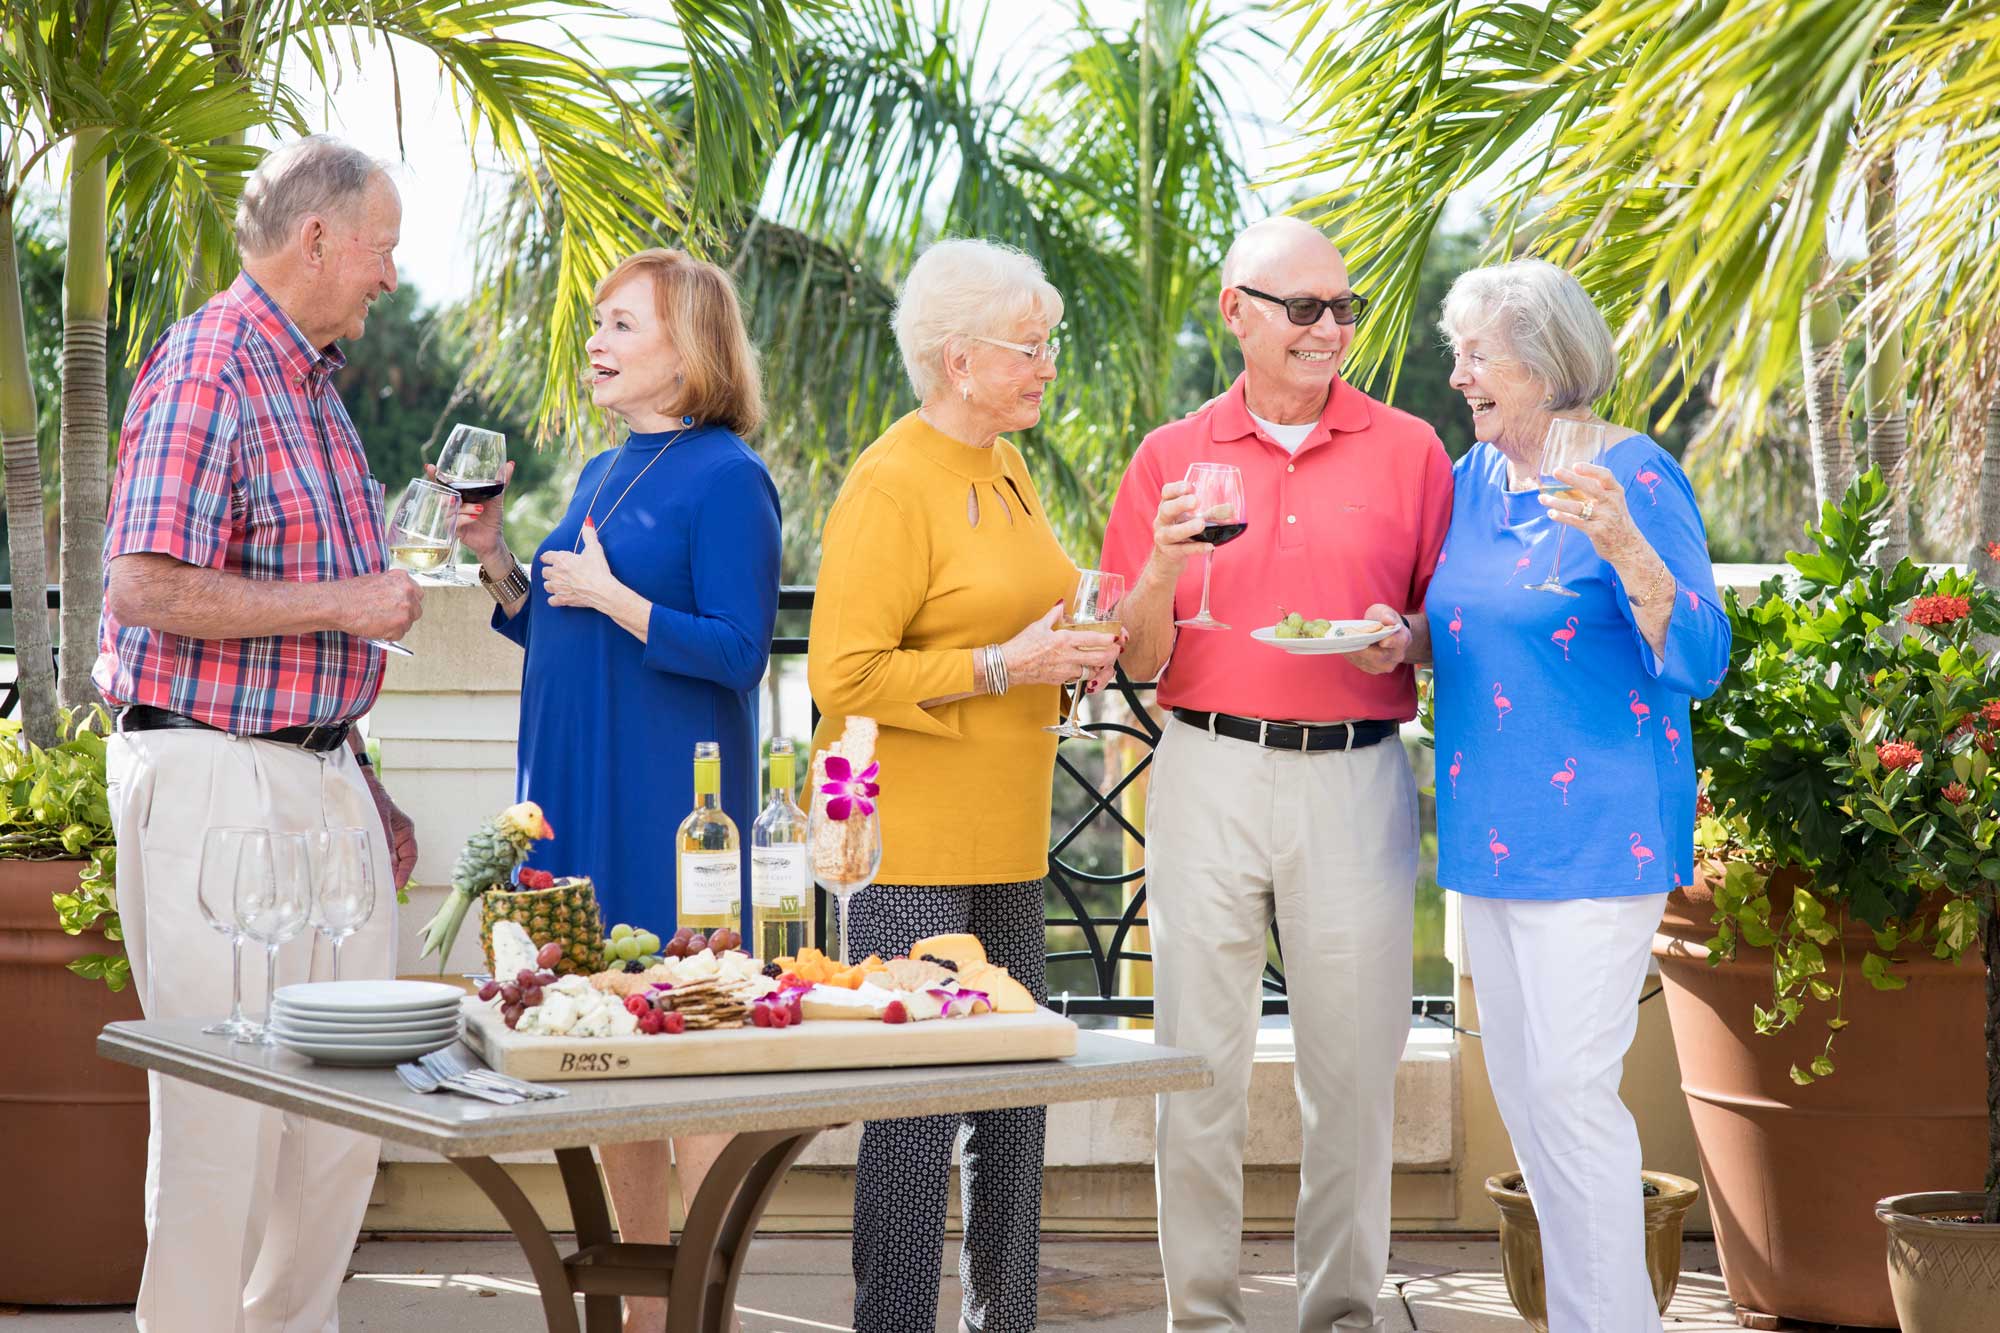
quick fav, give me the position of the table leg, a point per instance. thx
(551, 1277)
(592, 1219)
(722, 1220)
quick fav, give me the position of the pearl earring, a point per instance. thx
(965, 392)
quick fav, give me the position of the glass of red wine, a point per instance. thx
(1218, 498)
(473, 463)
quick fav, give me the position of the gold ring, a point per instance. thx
(1589, 508)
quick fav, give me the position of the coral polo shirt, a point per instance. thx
(1356, 516)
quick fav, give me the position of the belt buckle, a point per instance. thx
(312, 736)
(1348, 743)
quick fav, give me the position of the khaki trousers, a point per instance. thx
(1325, 844)
(251, 1213)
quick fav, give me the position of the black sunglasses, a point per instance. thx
(1306, 309)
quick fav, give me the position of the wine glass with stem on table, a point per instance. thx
(473, 462)
(343, 878)
(1567, 444)
(222, 852)
(272, 896)
(421, 535)
(1092, 607)
(1218, 499)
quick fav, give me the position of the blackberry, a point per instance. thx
(635, 966)
(773, 971)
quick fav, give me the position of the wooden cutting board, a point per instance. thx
(813, 1044)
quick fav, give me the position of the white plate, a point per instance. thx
(1346, 636)
(294, 1037)
(306, 1021)
(353, 1053)
(362, 997)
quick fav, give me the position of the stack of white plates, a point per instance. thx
(366, 1022)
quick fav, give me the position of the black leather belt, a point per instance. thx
(319, 739)
(1302, 736)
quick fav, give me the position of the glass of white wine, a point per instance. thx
(1092, 607)
(1567, 444)
(473, 463)
(421, 533)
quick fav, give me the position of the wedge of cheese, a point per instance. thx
(1007, 995)
(965, 950)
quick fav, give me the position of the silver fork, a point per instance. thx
(419, 1079)
(449, 1063)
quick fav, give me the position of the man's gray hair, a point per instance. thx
(1544, 321)
(318, 174)
(960, 288)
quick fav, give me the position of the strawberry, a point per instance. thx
(894, 1012)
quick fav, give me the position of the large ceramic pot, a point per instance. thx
(1521, 1241)
(1943, 1268)
(72, 1126)
(1793, 1172)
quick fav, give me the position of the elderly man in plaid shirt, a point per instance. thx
(244, 572)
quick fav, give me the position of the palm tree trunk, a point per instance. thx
(1987, 533)
(27, 544)
(1888, 415)
(1149, 409)
(1826, 397)
(86, 420)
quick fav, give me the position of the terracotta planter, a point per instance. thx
(1793, 1172)
(1521, 1241)
(72, 1126)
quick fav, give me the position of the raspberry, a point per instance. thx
(895, 1013)
(674, 1023)
(760, 1015)
(637, 1006)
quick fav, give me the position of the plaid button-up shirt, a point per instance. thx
(237, 455)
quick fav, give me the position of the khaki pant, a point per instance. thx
(1238, 836)
(251, 1213)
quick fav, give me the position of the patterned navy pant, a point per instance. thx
(904, 1168)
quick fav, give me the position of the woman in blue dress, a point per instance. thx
(1566, 786)
(647, 625)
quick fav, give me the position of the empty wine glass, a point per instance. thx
(846, 853)
(1093, 607)
(222, 852)
(472, 463)
(343, 885)
(273, 899)
(421, 535)
(1218, 498)
(1567, 444)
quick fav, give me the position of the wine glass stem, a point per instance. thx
(270, 980)
(1207, 568)
(1556, 569)
(336, 956)
(840, 904)
(236, 979)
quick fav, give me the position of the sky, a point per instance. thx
(440, 177)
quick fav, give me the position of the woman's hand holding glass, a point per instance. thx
(1594, 504)
(481, 527)
(1044, 654)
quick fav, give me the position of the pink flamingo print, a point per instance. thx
(1673, 739)
(1502, 705)
(1455, 624)
(1650, 480)
(1642, 855)
(1563, 636)
(1640, 711)
(1498, 848)
(1694, 602)
(1519, 565)
(1457, 767)
(1561, 779)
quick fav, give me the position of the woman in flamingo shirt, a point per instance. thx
(1562, 703)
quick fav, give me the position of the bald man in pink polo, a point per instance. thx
(1279, 790)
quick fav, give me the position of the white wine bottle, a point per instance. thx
(708, 891)
(780, 923)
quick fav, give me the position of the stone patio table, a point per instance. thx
(773, 1116)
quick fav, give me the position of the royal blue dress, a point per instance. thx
(1563, 763)
(608, 724)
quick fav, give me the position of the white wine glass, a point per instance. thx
(222, 852)
(846, 855)
(421, 534)
(1092, 607)
(1567, 444)
(273, 899)
(473, 463)
(343, 878)
(1218, 498)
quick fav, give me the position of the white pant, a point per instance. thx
(1325, 844)
(1558, 992)
(251, 1213)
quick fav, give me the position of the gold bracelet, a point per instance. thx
(1653, 599)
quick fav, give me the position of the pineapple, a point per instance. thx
(564, 913)
(486, 862)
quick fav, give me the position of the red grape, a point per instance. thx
(489, 990)
(696, 943)
(525, 977)
(512, 1013)
(550, 954)
(511, 993)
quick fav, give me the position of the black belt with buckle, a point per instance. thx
(319, 739)
(1306, 737)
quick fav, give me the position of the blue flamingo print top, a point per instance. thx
(1563, 763)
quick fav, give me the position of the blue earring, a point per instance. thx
(687, 421)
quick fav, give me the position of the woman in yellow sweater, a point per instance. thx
(940, 586)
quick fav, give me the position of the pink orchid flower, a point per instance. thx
(848, 791)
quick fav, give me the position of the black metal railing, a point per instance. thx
(1107, 936)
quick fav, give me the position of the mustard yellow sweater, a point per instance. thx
(908, 587)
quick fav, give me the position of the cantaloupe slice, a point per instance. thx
(965, 950)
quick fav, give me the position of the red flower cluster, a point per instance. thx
(1939, 610)
(1703, 807)
(1990, 710)
(1898, 754)
(1993, 550)
(1956, 793)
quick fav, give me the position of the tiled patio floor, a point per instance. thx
(801, 1285)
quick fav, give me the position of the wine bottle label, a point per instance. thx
(710, 882)
(778, 879)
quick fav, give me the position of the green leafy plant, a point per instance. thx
(54, 804)
(1853, 750)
